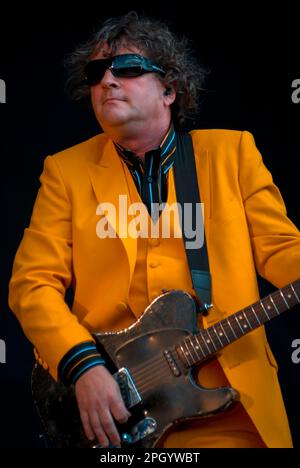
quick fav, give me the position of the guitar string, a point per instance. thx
(146, 386)
(150, 361)
(151, 385)
(140, 377)
(161, 368)
(145, 367)
(151, 374)
(140, 367)
(148, 368)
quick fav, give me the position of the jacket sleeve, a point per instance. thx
(275, 239)
(42, 272)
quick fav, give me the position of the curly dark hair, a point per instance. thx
(155, 40)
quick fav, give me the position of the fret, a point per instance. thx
(224, 331)
(240, 315)
(291, 296)
(217, 334)
(207, 330)
(267, 306)
(233, 332)
(250, 317)
(296, 295)
(192, 345)
(238, 323)
(253, 310)
(247, 320)
(271, 299)
(265, 311)
(230, 331)
(188, 350)
(196, 338)
(185, 354)
(282, 295)
(204, 341)
(207, 342)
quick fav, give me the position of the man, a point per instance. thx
(143, 84)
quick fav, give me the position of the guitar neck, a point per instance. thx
(197, 348)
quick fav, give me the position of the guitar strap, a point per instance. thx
(188, 196)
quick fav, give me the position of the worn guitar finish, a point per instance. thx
(159, 352)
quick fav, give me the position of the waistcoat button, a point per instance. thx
(154, 242)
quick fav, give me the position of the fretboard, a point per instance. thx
(199, 347)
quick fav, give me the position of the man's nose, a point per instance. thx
(109, 80)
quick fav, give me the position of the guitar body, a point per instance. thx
(165, 386)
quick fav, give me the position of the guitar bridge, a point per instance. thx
(128, 388)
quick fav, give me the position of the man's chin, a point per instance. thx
(114, 120)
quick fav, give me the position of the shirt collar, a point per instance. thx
(164, 151)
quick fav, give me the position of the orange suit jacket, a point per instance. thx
(246, 230)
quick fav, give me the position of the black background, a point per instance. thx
(253, 57)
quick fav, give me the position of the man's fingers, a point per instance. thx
(119, 411)
(86, 425)
(92, 428)
(98, 429)
(101, 406)
(110, 428)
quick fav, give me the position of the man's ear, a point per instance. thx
(170, 94)
(169, 91)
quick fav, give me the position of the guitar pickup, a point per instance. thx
(127, 386)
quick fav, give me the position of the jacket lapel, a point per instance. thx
(108, 182)
(203, 166)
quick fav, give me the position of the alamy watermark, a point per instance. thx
(167, 220)
(2, 352)
(2, 92)
(296, 353)
(296, 93)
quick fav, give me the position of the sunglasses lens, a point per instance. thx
(127, 72)
(121, 66)
(94, 71)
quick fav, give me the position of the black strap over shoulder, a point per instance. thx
(188, 196)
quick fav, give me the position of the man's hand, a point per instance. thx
(100, 402)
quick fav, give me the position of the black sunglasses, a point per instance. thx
(121, 66)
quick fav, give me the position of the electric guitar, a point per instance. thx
(152, 361)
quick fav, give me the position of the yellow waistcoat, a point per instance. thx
(246, 228)
(154, 254)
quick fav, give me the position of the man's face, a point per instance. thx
(121, 103)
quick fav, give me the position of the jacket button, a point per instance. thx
(122, 306)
